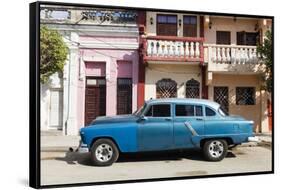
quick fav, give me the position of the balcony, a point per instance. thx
(232, 58)
(174, 49)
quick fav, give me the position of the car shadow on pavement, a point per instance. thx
(167, 156)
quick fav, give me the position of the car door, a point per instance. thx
(155, 128)
(188, 124)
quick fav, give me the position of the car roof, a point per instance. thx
(209, 103)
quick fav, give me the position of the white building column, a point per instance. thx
(44, 106)
(70, 88)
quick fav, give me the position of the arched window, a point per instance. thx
(192, 89)
(166, 88)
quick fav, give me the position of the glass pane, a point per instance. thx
(161, 19)
(91, 82)
(149, 112)
(172, 19)
(210, 112)
(198, 111)
(184, 110)
(121, 81)
(193, 20)
(161, 111)
(189, 20)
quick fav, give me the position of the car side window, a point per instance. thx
(161, 110)
(209, 112)
(184, 110)
(189, 110)
(198, 111)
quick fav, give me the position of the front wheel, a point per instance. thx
(104, 152)
(215, 149)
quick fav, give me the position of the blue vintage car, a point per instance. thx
(166, 124)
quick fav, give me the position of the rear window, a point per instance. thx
(210, 112)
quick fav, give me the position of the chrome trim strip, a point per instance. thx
(188, 125)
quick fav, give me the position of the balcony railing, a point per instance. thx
(232, 58)
(220, 54)
(167, 48)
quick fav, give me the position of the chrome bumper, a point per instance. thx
(253, 139)
(82, 148)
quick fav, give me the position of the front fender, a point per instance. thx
(124, 136)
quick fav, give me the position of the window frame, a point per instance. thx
(222, 31)
(183, 25)
(176, 24)
(244, 38)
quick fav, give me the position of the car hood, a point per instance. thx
(115, 119)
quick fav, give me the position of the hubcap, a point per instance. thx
(216, 149)
(104, 152)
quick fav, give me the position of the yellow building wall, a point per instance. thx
(257, 112)
(179, 73)
(228, 24)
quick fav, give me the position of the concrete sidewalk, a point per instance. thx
(55, 141)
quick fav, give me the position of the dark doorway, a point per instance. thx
(95, 99)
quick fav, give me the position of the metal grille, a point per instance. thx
(192, 89)
(124, 96)
(245, 96)
(221, 97)
(166, 88)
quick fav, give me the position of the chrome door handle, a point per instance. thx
(168, 119)
(199, 119)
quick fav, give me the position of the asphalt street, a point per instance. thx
(73, 167)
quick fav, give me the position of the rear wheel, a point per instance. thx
(104, 152)
(215, 149)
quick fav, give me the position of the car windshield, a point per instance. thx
(222, 112)
(140, 110)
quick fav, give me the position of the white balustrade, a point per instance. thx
(173, 49)
(220, 54)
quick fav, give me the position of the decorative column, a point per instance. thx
(70, 91)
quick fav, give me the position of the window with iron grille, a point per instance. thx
(245, 96)
(166, 25)
(221, 97)
(124, 96)
(190, 26)
(166, 88)
(192, 89)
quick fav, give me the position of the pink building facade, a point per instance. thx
(109, 64)
(101, 74)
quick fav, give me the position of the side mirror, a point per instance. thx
(142, 118)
